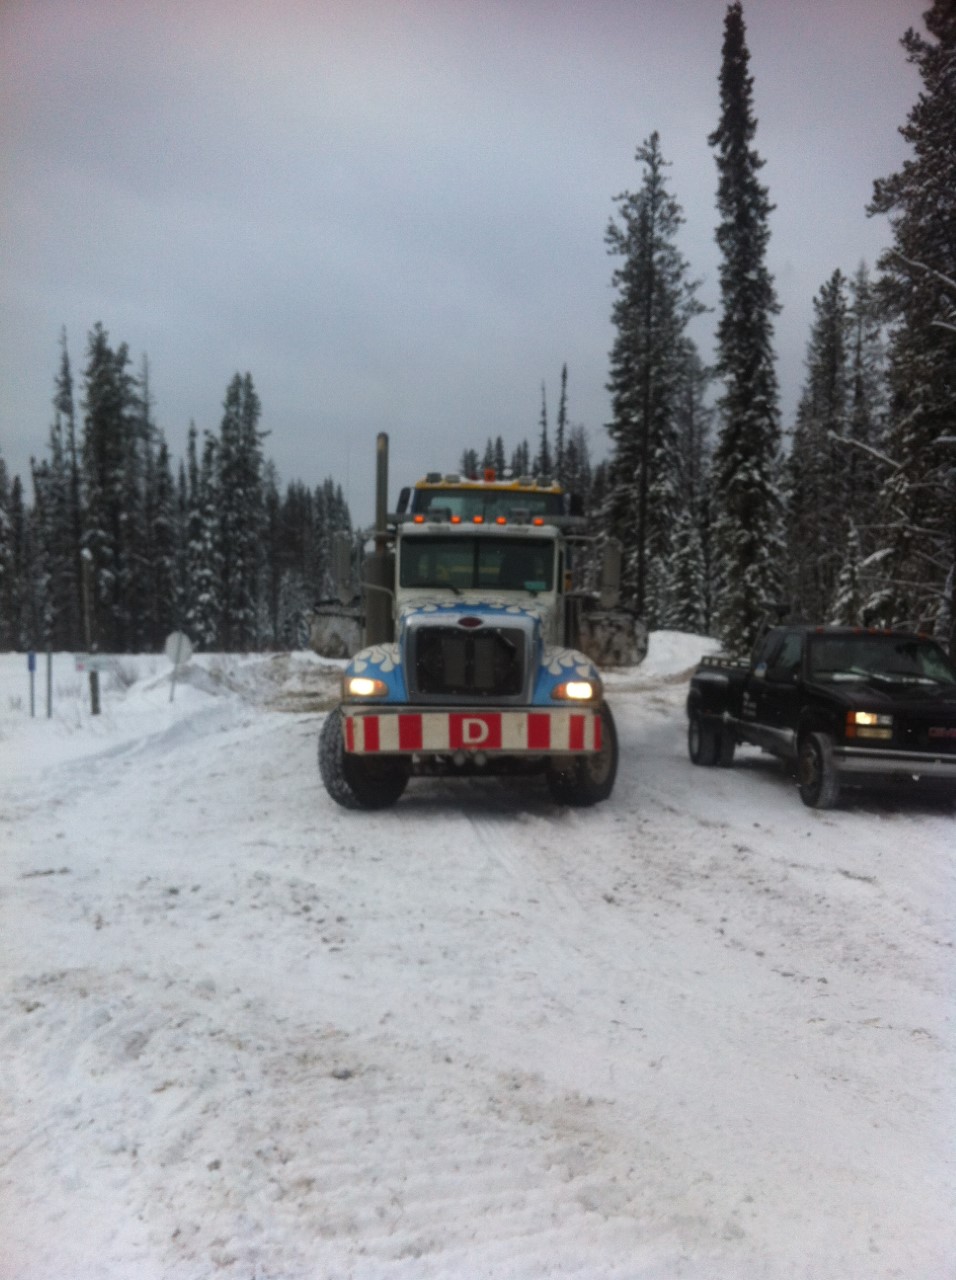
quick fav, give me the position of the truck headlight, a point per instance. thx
(577, 691)
(364, 687)
(868, 724)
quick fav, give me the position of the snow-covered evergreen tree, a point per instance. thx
(918, 288)
(469, 465)
(65, 417)
(241, 514)
(747, 541)
(203, 554)
(6, 561)
(521, 460)
(24, 602)
(561, 428)
(500, 461)
(686, 601)
(655, 303)
(163, 559)
(819, 468)
(848, 604)
(110, 413)
(543, 461)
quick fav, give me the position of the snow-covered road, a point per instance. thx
(699, 1031)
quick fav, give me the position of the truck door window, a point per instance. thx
(765, 652)
(786, 660)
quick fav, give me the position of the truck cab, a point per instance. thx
(472, 667)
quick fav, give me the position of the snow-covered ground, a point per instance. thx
(699, 1031)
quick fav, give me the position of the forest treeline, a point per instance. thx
(118, 548)
(726, 519)
(725, 514)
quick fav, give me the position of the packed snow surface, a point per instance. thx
(698, 1031)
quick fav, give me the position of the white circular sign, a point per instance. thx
(179, 648)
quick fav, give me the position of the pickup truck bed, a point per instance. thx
(848, 706)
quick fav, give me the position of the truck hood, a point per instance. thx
(891, 694)
(447, 607)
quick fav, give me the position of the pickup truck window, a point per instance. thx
(891, 659)
(767, 650)
(787, 661)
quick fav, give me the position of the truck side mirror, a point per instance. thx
(610, 589)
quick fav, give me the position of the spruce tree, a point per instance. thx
(521, 460)
(165, 538)
(469, 462)
(918, 289)
(24, 605)
(542, 462)
(65, 410)
(110, 406)
(6, 561)
(561, 428)
(242, 513)
(819, 499)
(203, 552)
(655, 303)
(747, 534)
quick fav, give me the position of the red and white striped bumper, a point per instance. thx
(368, 732)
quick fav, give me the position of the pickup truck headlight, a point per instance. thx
(577, 691)
(868, 724)
(364, 687)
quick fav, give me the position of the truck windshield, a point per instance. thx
(896, 659)
(460, 563)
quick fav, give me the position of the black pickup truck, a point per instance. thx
(848, 706)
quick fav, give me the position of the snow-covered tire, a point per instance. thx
(588, 779)
(357, 782)
(817, 775)
(703, 740)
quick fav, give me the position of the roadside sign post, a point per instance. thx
(87, 557)
(178, 650)
(31, 667)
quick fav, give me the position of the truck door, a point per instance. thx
(778, 695)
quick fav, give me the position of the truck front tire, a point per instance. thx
(588, 779)
(703, 740)
(358, 782)
(818, 778)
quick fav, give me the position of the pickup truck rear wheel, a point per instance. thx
(726, 747)
(587, 779)
(358, 782)
(817, 775)
(703, 740)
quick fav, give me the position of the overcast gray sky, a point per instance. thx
(392, 212)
